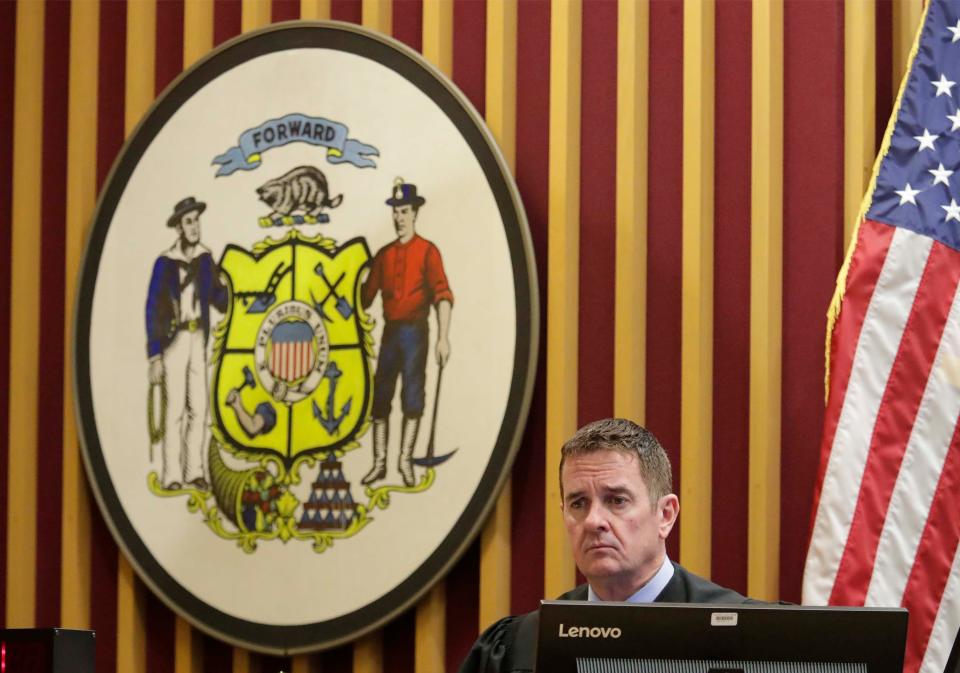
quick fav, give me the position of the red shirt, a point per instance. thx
(410, 276)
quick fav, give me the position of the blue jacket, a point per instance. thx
(163, 298)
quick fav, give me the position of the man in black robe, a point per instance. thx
(618, 508)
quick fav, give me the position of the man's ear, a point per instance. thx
(668, 509)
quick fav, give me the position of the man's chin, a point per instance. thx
(600, 567)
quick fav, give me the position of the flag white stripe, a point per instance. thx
(946, 625)
(920, 470)
(876, 349)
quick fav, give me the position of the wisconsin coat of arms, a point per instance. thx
(292, 353)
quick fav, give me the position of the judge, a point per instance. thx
(618, 506)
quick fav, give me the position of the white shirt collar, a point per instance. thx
(176, 253)
(649, 591)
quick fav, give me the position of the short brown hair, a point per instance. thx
(619, 434)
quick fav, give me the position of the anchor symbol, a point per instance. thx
(330, 422)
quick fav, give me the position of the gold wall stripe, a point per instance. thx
(81, 196)
(430, 641)
(21, 515)
(859, 105)
(501, 112)
(140, 61)
(766, 291)
(563, 261)
(131, 619)
(197, 30)
(197, 42)
(254, 14)
(318, 10)
(368, 653)
(186, 650)
(438, 34)
(302, 663)
(630, 295)
(906, 21)
(696, 365)
(241, 660)
(378, 15)
(501, 76)
(138, 94)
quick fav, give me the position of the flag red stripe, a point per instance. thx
(873, 242)
(898, 412)
(931, 570)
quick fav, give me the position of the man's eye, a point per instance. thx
(618, 500)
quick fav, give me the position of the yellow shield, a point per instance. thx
(292, 374)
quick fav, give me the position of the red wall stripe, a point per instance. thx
(284, 10)
(731, 295)
(160, 641)
(463, 582)
(8, 17)
(533, 97)
(103, 602)
(51, 333)
(408, 22)
(227, 20)
(664, 249)
(168, 65)
(271, 664)
(337, 660)
(160, 619)
(111, 86)
(110, 132)
(169, 51)
(217, 655)
(469, 50)
(598, 214)
(346, 10)
(813, 249)
(398, 640)
(463, 621)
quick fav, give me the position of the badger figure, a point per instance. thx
(302, 189)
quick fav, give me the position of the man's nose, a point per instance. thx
(597, 518)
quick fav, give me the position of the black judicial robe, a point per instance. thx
(509, 646)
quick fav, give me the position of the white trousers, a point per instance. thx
(185, 426)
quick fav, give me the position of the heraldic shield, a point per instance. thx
(292, 374)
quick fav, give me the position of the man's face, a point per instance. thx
(404, 217)
(189, 228)
(617, 537)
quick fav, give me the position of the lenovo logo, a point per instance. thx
(589, 632)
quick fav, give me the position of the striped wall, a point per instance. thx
(688, 168)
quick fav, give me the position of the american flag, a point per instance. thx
(887, 514)
(292, 351)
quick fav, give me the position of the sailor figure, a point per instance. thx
(184, 284)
